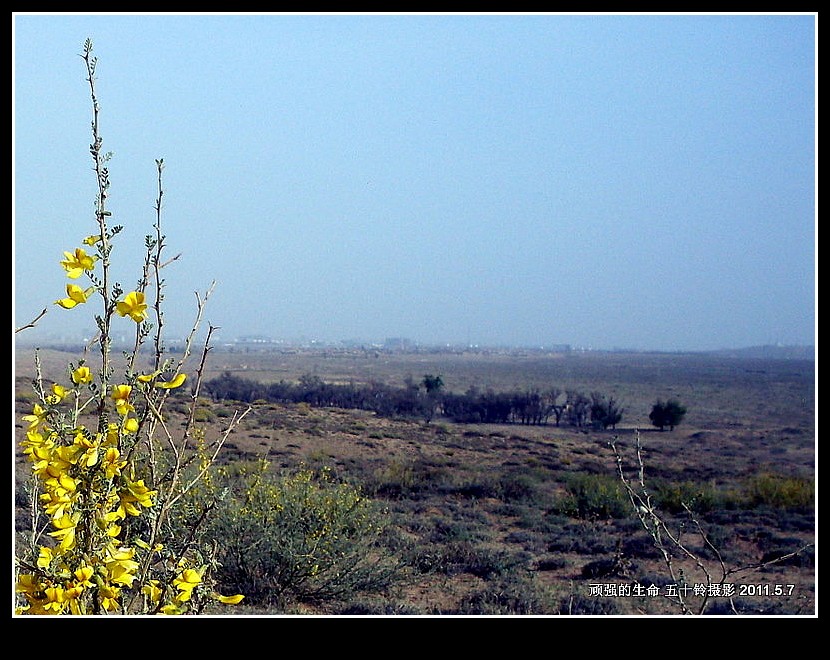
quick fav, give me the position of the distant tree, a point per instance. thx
(674, 413)
(555, 407)
(670, 414)
(605, 412)
(526, 406)
(230, 387)
(531, 406)
(430, 404)
(496, 407)
(577, 408)
(614, 414)
(432, 384)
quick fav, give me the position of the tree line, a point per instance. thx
(427, 398)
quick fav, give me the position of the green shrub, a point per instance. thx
(552, 563)
(203, 415)
(417, 478)
(592, 496)
(447, 530)
(699, 497)
(301, 537)
(515, 593)
(477, 486)
(456, 557)
(519, 487)
(771, 490)
(396, 478)
(780, 492)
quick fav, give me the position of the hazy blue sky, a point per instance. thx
(637, 181)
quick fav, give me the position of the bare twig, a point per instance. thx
(33, 322)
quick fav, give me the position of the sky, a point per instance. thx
(607, 181)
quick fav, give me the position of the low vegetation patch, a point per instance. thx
(297, 538)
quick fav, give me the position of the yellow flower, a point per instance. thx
(109, 597)
(130, 425)
(58, 394)
(171, 609)
(84, 575)
(53, 469)
(133, 306)
(106, 520)
(62, 457)
(55, 599)
(146, 378)
(57, 504)
(82, 376)
(172, 384)
(121, 394)
(76, 296)
(40, 461)
(28, 584)
(92, 240)
(186, 581)
(75, 264)
(34, 440)
(66, 530)
(39, 450)
(135, 493)
(228, 600)
(89, 458)
(89, 445)
(152, 590)
(37, 417)
(45, 557)
(121, 566)
(111, 463)
(67, 483)
(72, 595)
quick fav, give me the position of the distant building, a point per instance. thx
(559, 348)
(398, 344)
(254, 339)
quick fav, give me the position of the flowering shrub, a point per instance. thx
(107, 489)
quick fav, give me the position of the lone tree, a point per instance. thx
(432, 384)
(669, 414)
(605, 412)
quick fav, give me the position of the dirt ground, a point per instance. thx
(745, 418)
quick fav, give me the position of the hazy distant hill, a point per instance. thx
(770, 352)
